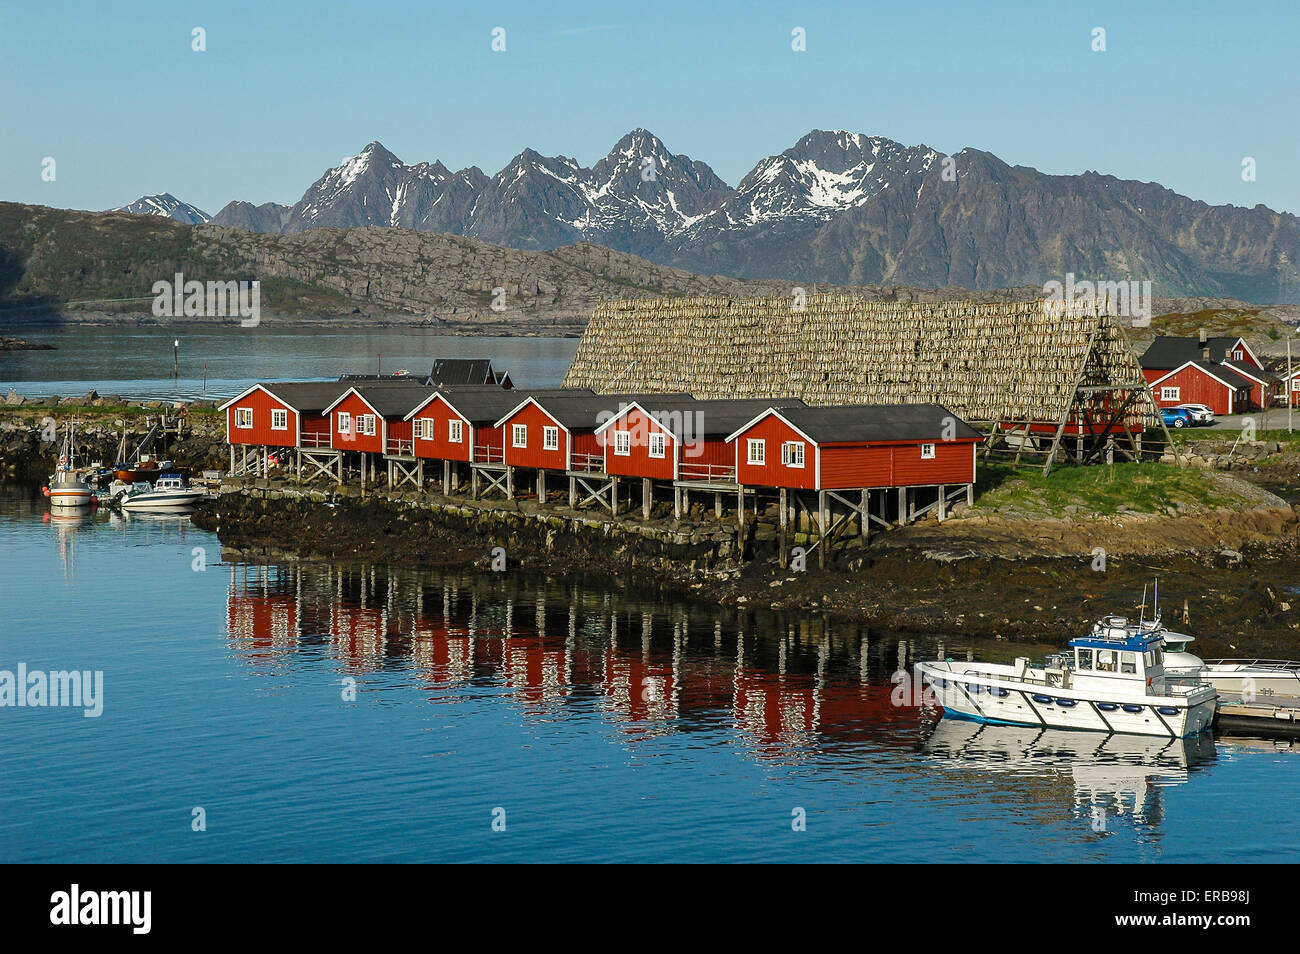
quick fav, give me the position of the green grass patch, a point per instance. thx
(291, 296)
(1147, 487)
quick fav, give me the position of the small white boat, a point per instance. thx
(66, 488)
(169, 492)
(1112, 680)
(1247, 678)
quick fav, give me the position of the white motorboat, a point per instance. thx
(1112, 680)
(66, 488)
(1247, 678)
(168, 492)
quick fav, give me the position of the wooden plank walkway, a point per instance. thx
(1271, 714)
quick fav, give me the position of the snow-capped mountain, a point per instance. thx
(167, 205)
(836, 207)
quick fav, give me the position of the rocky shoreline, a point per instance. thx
(997, 578)
(21, 344)
(993, 571)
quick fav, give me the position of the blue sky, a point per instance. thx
(285, 89)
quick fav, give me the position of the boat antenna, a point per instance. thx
(1142, 613)
(1155, 600)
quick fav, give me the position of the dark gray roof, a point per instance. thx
(1168, 351)
(1224, 373)
(393, 401)
(487, 404)
(716, 418)
(306, 396)
(450, 371)
(1251, 369)
(855, 423)
(587, 411)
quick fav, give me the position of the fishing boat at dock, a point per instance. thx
(169, 493)
(66, 488)
(1112, 680)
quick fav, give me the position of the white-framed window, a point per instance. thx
(343, 420)
(455, 432)
(425, 428)
(366, 425)
(550, 438)
(622, 443)
(927, 452)
(1171, 394)
(757, 450)
(1295, 385)
(792, 453)
(1239, 355)
(519, 435)
(279, 419)
(243, 417)
(658, 445)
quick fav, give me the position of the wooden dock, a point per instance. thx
(1272, 715)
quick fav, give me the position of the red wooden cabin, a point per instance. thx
(1292, 387)
(855, 446)
(285, 414)
(460, 423)
(371, 418)
(557, 431)
(670, 439)
(1220, 388)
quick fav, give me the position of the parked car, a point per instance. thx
(1201, 415)
(1176, 417)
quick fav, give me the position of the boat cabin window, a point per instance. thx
(1128, 663)
(1106, 661)
(1085, 659)
(1154, 658)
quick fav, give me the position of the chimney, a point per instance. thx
(1201, 339)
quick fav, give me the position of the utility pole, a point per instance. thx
(1289, 390)
(176, 362)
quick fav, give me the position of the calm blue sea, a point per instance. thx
(170, 363)
(587, 722)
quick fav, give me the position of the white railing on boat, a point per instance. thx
(1286, 665)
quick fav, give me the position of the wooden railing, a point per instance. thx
(314, 440)
(590, 463)
(488, 454)
(401, 446)
(706, 472)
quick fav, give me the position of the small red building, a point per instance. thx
(1292, 387)
(285, 414)
(855, 447)
(1222, 389)
(1223, 373)
(636, 444)
(280, 415)
(671, 439)
(460, 423)
(557, 431)
(371, 418)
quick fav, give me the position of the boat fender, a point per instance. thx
(1132, 707)
(45, 491)
(1044, 699)
(1167, 710)
(1000, 693)
(1107, 706)
(1067, 703)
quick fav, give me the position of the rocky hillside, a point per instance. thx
(51, 257)
(836, 207)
